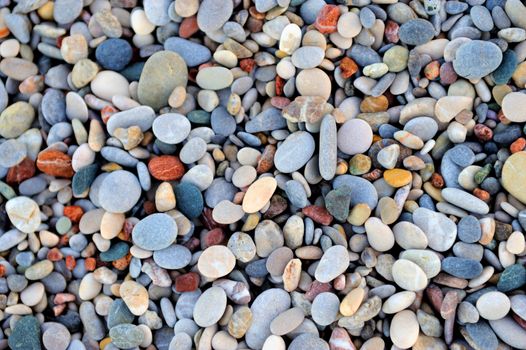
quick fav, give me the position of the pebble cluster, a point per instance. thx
(262, 174)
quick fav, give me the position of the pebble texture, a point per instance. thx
(263, 174)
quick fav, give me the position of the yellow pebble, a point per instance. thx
(341, 167)
(111, 167)
(251, 222)
(359, 214)
(433, 192)
(398, 177)
(46, 11)
(410, 206)
(104, 342)
(218, 155)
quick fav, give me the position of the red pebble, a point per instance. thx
(483, 132)
(166, 168)
(90, 264)
(187, 282)
(247, 64)
(481, 194)
(316, 288)
(435, 295)
(188, 27)
(20, 172)
(348, 67)
(2, 271)
(213, 237)
(447, 74)
(106, 113)
(318, 214)
(391, 31)
(327, 19)
(54, 255)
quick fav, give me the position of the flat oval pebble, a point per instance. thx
(404, 329)
(334, 262)
(258, 194)
(171, 128)
(119, 192)
(355, 136)
(155, 232)
(173, 257)
(294, 152)
(216, 261)
(210, 307)
(476, 59)
(493, 305)
(409, 275)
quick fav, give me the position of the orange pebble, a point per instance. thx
(518, 145)
(90, 264)
(348, 67)
(432, 70)
(481, 194)
(2, 270)
(54, 255)
(327, 19)
(107, 112)
(437, 180)
(70, 262)
(73, 212)
(122, 263)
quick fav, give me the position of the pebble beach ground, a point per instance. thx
(262, 174)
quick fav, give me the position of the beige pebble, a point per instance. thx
(111, 224)
(409, 275)
(292, 275)
(33, 293)
(379, 235)
(216, 261)
(287, 321)
(516, 243)
(493, 305)
(513, 106)
(135, 296)
(165, 197)
(398, 302)
(352, 301)
(404, 329)
(89, 287)
(259, 194)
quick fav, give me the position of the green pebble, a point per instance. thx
(26, 334)
(199, 117)
(116, 251)
(481, 175)
(63, 225)
(338, 202)
(7, 191)
(513, 277)
(83, 178)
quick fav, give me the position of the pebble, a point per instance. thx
(265, 308)
(476, 59)
(409, 275)
(26, 334)
(294, 152)
(334, 262)
(493, 305)
(325, 308)
(404, 329)
(210, 307)
(135, 296)
(216, 261)
(511, 178)
(155, 232)
(441, 232)
(355, 137)
(162, 73)
(119, 192)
